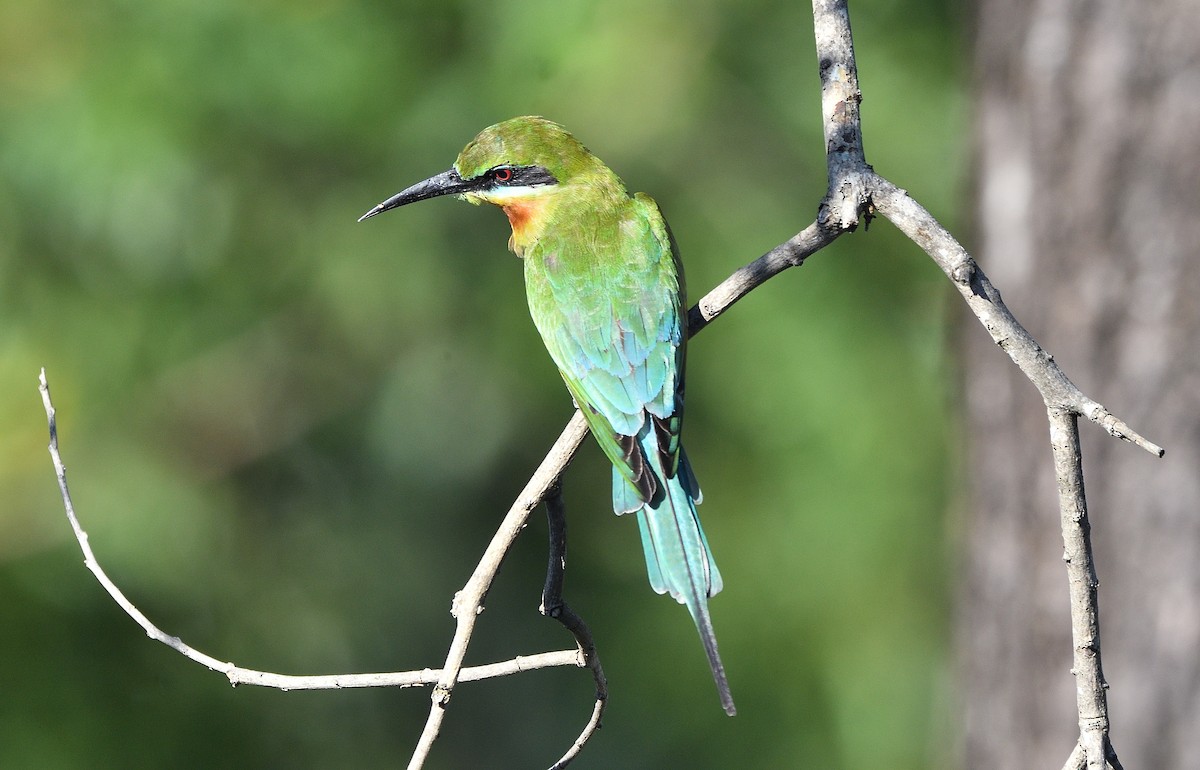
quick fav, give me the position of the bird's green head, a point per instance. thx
(520, 162)
(539, 154)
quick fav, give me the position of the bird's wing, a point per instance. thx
(606, 297)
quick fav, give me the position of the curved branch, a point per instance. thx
(238, 675)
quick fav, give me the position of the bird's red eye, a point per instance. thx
(503, 174)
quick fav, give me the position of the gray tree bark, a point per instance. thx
(1088, 217)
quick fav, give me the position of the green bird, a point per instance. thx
(606, 292)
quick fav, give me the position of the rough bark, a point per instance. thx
(1088, 172)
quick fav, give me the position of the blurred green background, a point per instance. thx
(290, 435)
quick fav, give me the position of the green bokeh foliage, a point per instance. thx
(290, 435)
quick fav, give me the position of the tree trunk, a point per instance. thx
(1088, 168)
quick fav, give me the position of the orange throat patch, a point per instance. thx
(525, 217)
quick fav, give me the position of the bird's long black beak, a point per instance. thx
(445, 183)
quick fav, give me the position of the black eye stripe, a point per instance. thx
(520, 176)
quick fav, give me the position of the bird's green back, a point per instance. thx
(604, 290)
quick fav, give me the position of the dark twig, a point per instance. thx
(554, 606)
(556, 566)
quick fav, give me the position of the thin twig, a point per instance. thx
(422, 678)
(554, 606)
(238, 675)
(790, 253)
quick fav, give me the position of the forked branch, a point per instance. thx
(857, 192)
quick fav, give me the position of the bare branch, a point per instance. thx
(1081, 575)
(848, 198)
(790, 253)
(468, 602)
(1077, 760)
(89, 559)
(984, 301)
(424, 677)
(856, 192)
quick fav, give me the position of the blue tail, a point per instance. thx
(678, 558)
